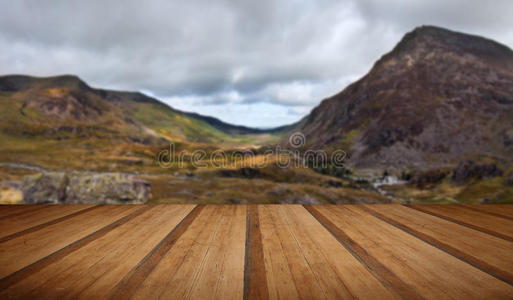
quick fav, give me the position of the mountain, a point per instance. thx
(61, 123)
(64, 105)
(62, 141)
(438, 98)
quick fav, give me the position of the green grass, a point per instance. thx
(491, 189)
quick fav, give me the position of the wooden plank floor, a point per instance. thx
(256, 252)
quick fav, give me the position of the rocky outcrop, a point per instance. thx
(112, 188)
(437, 97)
(423, 179)
(45, 188)
(469, 170)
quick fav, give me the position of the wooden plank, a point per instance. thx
(280, 280)
(377, 269)
(288, 274)
(498, 210)
(303, 260)
(35, 220)
(63, 252)
(94, 270)
(381, 251)
(488, 253)
(255, 282)
(133, 279)
(222, 276)
(432, 272)
(20, 252)
(483, 222)
(7, 211)
(207, 262)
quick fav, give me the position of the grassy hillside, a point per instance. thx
(62, 124)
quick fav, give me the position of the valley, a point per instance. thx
(435, 114)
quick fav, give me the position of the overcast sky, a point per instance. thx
(260, 63)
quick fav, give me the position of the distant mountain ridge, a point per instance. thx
(437, 98)
(19, 83)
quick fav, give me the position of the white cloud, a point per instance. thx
(226, 57)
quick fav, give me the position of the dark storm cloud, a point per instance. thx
(278, 55)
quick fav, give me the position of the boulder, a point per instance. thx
(111, 188)
(45, 188)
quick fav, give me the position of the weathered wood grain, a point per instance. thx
(7, 211)
(206, 262)
(22, 251)
(108, 258)
(303, 260)
(498, 210)
(486, 252)
(484, 222)
(37, 219)
(256, 252)
(376, 268)
(255, 282)
(432, 272)
(133, 279)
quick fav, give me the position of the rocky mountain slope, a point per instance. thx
(438, 98)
